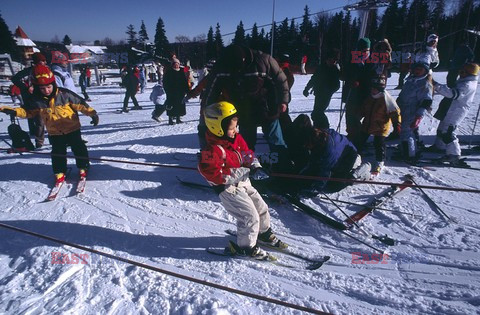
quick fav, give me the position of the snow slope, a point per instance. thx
(142, 213)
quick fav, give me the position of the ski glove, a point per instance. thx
(306, 93)
(94, 120)
(258, 174)
(416, 122)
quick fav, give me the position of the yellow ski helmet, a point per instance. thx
(215, 114)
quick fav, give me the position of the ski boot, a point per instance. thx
(254, 252)
(270, 239)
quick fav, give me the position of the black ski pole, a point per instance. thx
(410, 176)
(384, 239)
(376, 208)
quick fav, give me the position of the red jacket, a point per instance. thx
(221, 157)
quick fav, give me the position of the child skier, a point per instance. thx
(58, 108)
(226, 163)
(414, 100)
(158, 98)
(378, 111)
(462, 95)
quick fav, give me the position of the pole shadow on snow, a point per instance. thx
(17, 244)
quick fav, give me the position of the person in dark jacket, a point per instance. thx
(23, 80)
(324, 82)
(130, 82)
(330, 155)
(176, 87)
(254, 82)
(83, 82)
(357, 76)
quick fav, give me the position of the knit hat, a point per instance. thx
(363, 43)
(471, 68)
(37, 57)
(42, 75)
(175, 60)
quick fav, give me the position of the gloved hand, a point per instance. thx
(416, 122)
(306, 93)
(8, 111)
(258, 174)
(95, 120)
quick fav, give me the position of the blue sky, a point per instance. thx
(88, 20)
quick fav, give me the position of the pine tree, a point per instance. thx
(142, 35)
(255, 41)
(131, 35)
(211, 49)
(218, 38)
(8, 46)
(161, 41)
(67, 40)
(239, 38)
(306, 26)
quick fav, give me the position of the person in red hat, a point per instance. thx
(59, 109)
(23, 80)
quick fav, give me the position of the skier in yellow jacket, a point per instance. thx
(59, 109)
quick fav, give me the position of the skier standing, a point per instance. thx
(59, 109)
(176, 86)
(378, 111)
(158, 98)
(462, 95)
(226, 163)
(324, 82)
(23, 80)
(130, 82)
(414, 101)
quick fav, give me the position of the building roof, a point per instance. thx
(22, 39)
(80, 49)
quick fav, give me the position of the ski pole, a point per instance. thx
(376, 208)
(384, 239)
(410, 176)
(474, 126)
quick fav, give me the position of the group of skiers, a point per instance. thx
(247, 89)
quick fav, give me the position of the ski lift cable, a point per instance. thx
(292, 19)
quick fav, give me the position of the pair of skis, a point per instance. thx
(59, 184)
(302, 262)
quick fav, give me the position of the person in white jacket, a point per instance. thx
(429, 53)
(462, 95)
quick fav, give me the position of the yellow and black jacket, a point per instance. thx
(59, 113)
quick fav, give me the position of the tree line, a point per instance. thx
(403, 23)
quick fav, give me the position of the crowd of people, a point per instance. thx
(246, 89)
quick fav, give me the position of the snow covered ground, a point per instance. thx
(143, 213)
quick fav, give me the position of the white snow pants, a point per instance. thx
(446, 138)
(247, 206)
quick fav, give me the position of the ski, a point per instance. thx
(314, 213)
(81, 185)
(55, 190)
(376, 202)
(193, 184)
(269, 259)
(437, 162)
(313, 263)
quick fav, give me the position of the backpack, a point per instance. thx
(20, 139)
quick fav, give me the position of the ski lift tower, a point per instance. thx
(364, 8)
